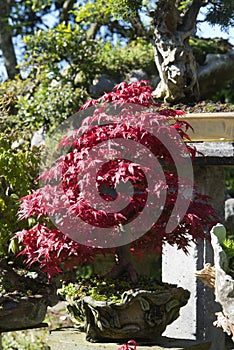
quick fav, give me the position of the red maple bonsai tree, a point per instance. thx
(49, 244)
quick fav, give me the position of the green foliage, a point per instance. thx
(125, 8)
(184, 4)
(230, 178)
(57, 93)
(104, 11)
(51, 103)
(19, 167)
(226, 94)
(9, 93)
(51, 94)
(103, 289)
(65, 44)
(25, 340)
(93, 11)
(38, 5)
(221, 12)
(48, 50)
(26, 16)
(201, 47)
(228, 247)
(118, 60)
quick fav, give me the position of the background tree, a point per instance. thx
(6, 42)
(18, 18)
(174, 23)
(169, 25)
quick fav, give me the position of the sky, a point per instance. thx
(205, 30)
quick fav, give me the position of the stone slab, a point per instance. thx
(216, 153)
(72, 339)
(215, 149)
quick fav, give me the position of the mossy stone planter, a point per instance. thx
(141, 315)
(23, 299)
(22, 313)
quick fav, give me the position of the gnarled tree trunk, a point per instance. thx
(173, 56)
(123, 264)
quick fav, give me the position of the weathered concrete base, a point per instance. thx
(71, 339)
(197, 317)
(180, 268)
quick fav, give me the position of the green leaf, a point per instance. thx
(13, 246)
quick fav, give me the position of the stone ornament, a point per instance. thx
(218, 277)
(207, 275)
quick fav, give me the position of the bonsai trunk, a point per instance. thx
(123, 264)
(173, 56)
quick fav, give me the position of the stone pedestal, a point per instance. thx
(71, 339)
(197, 317)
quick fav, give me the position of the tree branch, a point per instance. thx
(114, 25)
(92, 32)
(137, 24)
(166, 16)
(190, 16)
(67, 6)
